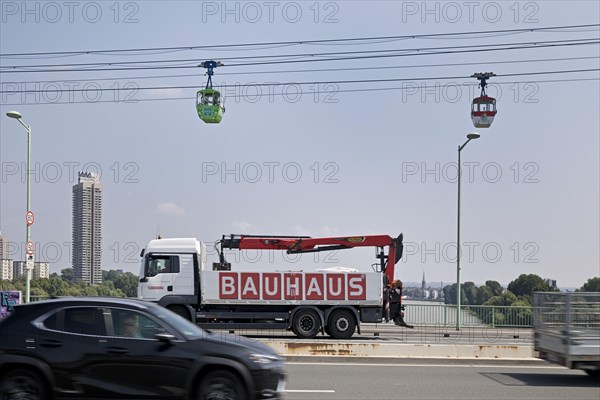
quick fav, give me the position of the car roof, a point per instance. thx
(89, 300)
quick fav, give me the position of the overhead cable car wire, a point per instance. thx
(274, 72)
(401, 88)
(404, 54)
(278, 56)
(340, 82)
(303, 42)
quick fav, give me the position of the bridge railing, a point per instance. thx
(483, 316)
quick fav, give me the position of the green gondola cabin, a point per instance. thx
(208, 105)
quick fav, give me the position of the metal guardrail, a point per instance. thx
(477, 316)
(442, 315)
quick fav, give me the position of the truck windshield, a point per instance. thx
(160, 264)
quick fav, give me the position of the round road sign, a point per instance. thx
(30, 248)
(29, 218)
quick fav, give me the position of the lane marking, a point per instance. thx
(309, 391)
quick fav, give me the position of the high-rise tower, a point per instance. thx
(87, 228)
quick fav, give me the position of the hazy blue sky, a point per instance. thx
(321, 163)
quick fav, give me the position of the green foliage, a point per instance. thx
(505, 299)
(525, 285)
(450, 294)
(114, 284)
(495, 287)
(592, 285)
(125, 282)
(67, 274)
(484, 293)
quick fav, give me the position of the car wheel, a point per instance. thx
(342, 324)
(306, 324)
(181, 311)
(22, 384)
(221, 385)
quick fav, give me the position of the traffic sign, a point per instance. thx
(30, 247)
(29, 218)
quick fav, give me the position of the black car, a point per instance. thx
(127, 349)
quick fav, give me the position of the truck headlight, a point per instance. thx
(263, 358)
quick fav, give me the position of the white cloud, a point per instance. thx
(244, 227)
(170, 209)
(323, 231)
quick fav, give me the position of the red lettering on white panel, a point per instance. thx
(228, 285)
(271, 286)
(250, 285)
(315, 287)
(357, 287)
(336, 288)
(292, 284)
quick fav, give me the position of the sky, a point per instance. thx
(322, 159)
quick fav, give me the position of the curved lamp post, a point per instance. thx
(29, 258)
(470, 136)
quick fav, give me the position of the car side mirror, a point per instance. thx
(165, 337)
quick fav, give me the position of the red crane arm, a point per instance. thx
(308, 244)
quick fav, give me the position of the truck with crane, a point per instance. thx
(175, 274)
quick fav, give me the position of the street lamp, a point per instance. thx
(470, 136)
(29, 257)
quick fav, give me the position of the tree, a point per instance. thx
(507, 298)
(495, 287)
(592, 285)
(67, 274)
(484, 293)
(127, 283)
(470, 291)
(525, 285)
(450, 294)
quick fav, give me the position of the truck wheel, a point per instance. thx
(306, 324)
(22, 384)
(594, 373)
(342, 324)
(221, 384)
(181, 311)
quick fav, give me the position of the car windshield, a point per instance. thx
(189, 330)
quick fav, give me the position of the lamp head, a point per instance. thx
(14, 114)
(473, 135)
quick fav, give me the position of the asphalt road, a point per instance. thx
(428, 380)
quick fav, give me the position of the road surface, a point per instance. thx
(429, 380)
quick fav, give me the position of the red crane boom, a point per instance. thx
(305, 244)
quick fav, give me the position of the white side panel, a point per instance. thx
(228, 287)
(183, 282)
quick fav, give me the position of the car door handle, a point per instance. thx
(118, 350)
(51, 343)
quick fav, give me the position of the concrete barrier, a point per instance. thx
(401, 350)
